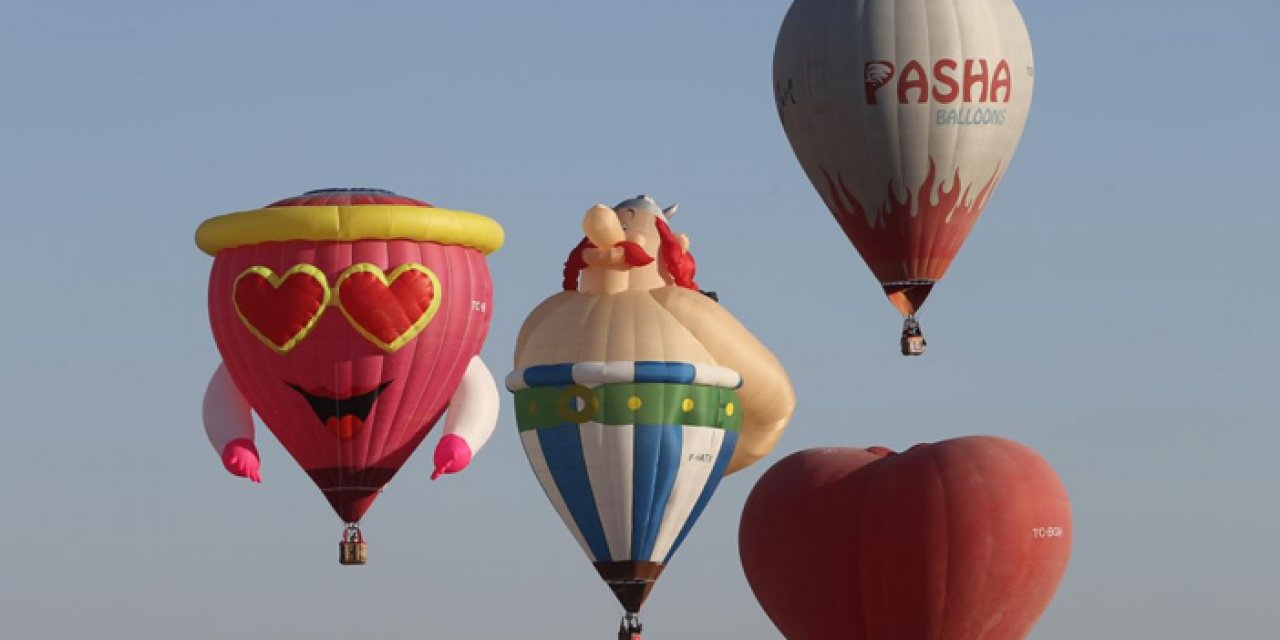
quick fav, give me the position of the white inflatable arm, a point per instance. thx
(473, 409)
(226, 412)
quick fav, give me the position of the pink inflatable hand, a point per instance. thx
(453, 454)
(240, 457)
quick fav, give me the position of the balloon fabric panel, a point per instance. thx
(661, 462)
(381, 404)
(566, 468)
(629, 466)
(904, 116)
(630, 395)
(964, 539)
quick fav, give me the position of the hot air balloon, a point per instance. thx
(965, 539)
(904, 115)
(635, 393)
(349, 320)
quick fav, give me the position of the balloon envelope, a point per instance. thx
(629, 454)
(904, 115)
(635, 393)
(964, 539)
(346, 338)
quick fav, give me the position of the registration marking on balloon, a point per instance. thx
(1048, 532)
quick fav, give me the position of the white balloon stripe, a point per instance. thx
(608, 454)
(698, 452)
(533, 450)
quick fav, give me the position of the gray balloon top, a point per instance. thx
(645, 204)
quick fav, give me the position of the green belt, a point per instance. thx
(624, 403)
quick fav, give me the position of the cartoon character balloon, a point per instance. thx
(904, 115)
(349, 320)
(635, 393)
(965, 539)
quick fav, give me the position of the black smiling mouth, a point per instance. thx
(326, 407)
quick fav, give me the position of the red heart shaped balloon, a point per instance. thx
(280, 309)
(964, 539)
(389, 310)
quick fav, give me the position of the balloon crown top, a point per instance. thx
(646, 204)
(348, 215)
(347, 196)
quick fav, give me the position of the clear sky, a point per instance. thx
(1113, 309)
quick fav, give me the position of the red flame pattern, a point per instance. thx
(913, 238)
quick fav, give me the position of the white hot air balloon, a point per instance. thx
(904, 114)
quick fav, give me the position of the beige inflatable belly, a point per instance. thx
(623, 326)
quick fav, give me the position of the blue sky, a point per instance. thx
(1113, 309)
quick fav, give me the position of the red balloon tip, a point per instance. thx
(443, 469)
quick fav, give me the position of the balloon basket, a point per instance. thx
(630, 628)
(352, 550)
(912, 345)
(353, 553)
(912, 342)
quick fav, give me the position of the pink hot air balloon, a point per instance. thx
(964, 539)
(350, 320)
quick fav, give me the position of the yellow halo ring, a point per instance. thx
(348, 223)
